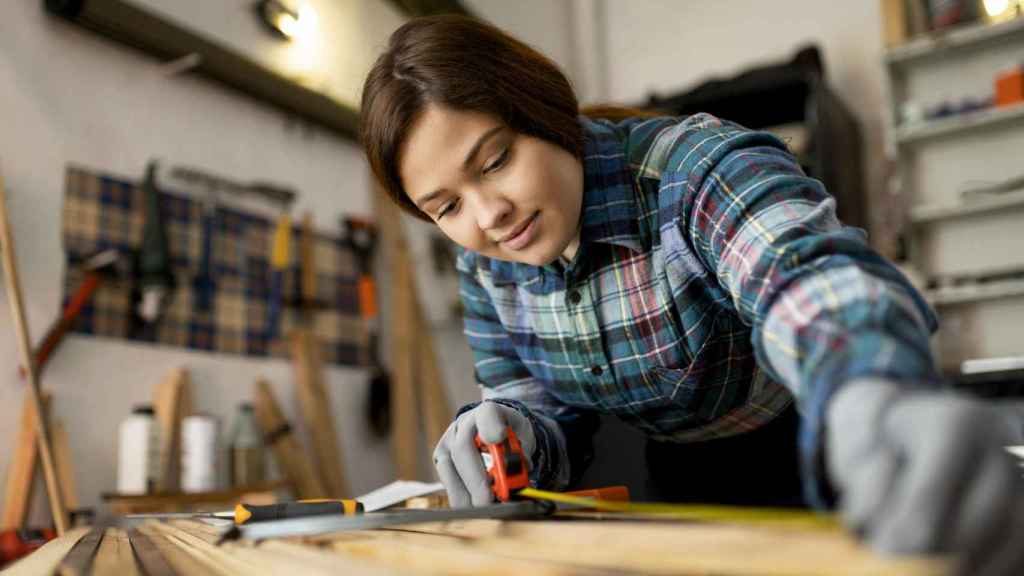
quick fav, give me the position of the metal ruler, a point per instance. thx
(312, 526)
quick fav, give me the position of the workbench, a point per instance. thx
(566, 544)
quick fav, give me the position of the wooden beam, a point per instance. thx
(53, 491)
(65, 466)
(280, 437)
(21, 472)
(405, 413)
(315, 405)
(78, 561)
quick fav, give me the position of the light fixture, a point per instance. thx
(286, 22)
(1002, 10)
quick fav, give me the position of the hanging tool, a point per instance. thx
(204, 284)
(53, 489)
(361, 237)
(245, 513)
(279, 258)
(155, 274)
(96, 268)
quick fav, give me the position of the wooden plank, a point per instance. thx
(161, 502)
(437, 412)
(22, 469)
(78, 561)
(412, 553)
(114, 556)
(181, 561)
(682, 547)
(44, 561)
(21, 330)
(316, 408)
(328, 561)
(405, 426)
(288, 453)
(149, 556)
(65, 466)
(172, 401)
(228, 559)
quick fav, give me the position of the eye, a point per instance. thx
(498, 162)
(447, 208)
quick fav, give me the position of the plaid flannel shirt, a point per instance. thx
(713, 284)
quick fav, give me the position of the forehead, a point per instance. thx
(437, 144)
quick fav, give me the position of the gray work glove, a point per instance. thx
(458, 461)
(926, 472)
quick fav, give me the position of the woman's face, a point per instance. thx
(491, 190)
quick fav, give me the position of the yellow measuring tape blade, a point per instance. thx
(697, 512)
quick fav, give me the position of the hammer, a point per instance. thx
(96, 267)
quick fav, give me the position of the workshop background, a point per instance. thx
(922, 145)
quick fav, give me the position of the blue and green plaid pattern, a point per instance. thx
(713, 284)
(103, 212)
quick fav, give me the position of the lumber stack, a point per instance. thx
(566, 546)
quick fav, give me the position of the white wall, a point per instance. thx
(669, 45)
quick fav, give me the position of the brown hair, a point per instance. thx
(463, 64)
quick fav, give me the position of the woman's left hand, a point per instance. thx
(927, 472)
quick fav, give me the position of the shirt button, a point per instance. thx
(596, 370)
(575, 297)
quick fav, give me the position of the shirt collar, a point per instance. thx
(609, 210)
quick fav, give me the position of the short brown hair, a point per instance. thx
(463, 64)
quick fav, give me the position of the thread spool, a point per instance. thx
(199, 453)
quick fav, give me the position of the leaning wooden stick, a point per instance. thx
(53, 489)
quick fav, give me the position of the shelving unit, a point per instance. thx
(953, 237)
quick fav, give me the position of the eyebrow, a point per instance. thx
(465, 163)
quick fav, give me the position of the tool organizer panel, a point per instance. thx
(103, 212)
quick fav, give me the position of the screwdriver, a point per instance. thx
(245, 513)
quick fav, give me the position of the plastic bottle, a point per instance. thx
(138, 452)
(245, 449)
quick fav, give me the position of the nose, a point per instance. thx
(492, 211)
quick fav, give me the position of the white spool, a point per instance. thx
(199, 453)
(137, 452)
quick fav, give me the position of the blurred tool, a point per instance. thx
(96, 268)
(245, 513)
(361, 237)
(155, 274)
(15, 544)
(1010, 87)
(138, 452)
(280, 254)
(199, 452)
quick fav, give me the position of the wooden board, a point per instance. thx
(172, 401)
(65, 466)
(78, 561)
(405, 418)
(288, 453)
(316, 409)
(114, 556)
(22, 469)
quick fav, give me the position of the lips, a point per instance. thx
(521, 234)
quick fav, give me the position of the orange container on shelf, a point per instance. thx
(1010, 87)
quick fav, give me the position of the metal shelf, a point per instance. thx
(955, 40)
(989, 118)
(971, 293)
(995, 203)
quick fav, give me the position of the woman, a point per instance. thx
(684, 275)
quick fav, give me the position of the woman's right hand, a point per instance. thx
(458, 460)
